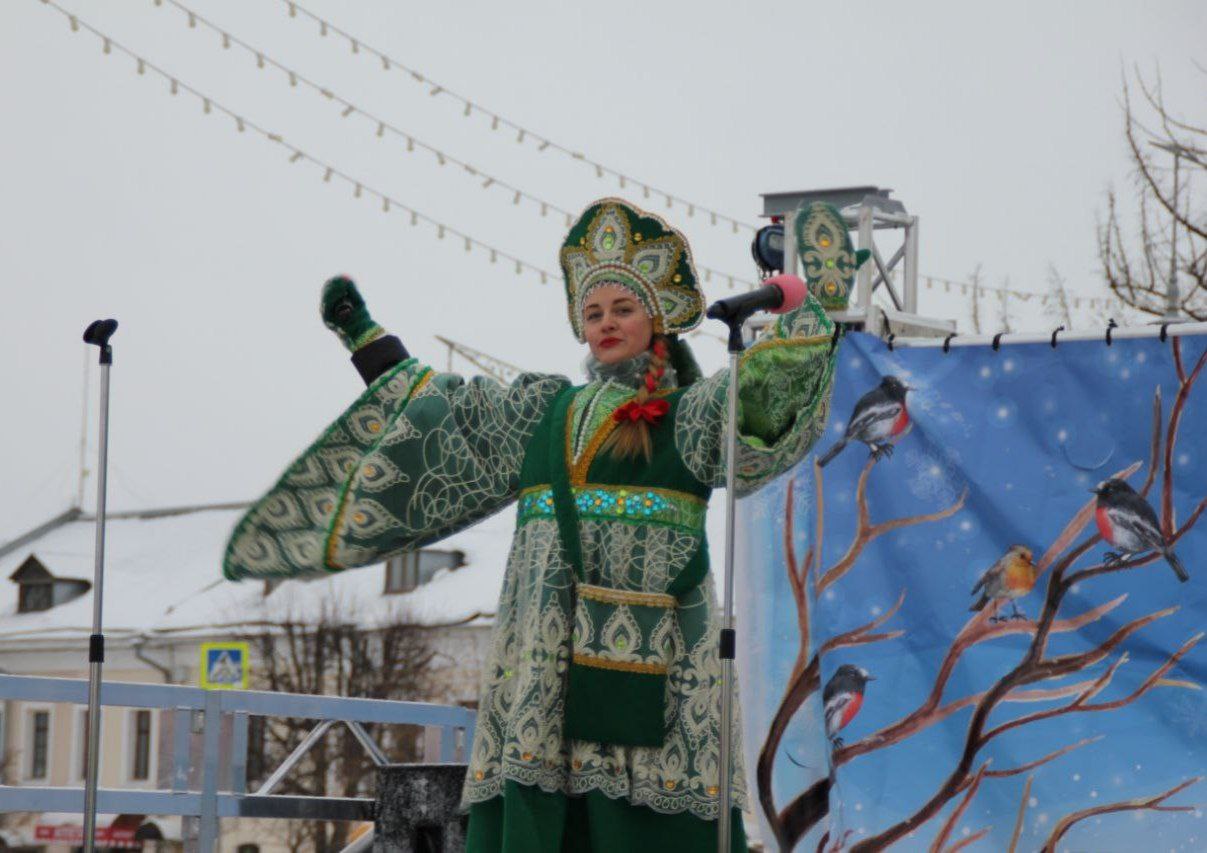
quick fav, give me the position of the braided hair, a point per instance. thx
(631, 437)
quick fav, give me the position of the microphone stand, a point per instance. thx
(728, 638)
(97, 334)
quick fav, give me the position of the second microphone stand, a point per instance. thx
(736, 346)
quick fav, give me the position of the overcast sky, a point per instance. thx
(998, 124)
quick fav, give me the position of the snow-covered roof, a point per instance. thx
(163, 578)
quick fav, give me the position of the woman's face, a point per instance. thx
(615, 324)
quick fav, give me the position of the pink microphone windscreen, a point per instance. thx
(794, 291)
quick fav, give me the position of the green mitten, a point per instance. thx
(827, 256)
(345, 313)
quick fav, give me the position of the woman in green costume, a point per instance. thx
(598, 726)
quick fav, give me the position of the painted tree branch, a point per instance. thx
(804, 684)
(866, 531)
(969, 841)
(805, 675)
(805, 678)
(810, 806)
(1034, 667)
(978, 630)
(958, 812)
(1078, 704)
(797, 580)
(1065, 664)
(1155, 803)
(1022, 812)
(1185, 383)
(805, 810)
(1039, 762)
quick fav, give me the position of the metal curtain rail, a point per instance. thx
(1118, 333)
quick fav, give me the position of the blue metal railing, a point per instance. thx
(217, 788)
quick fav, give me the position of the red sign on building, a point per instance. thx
(121, 837)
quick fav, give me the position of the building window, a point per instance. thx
(402, 573)
(140, 764)
(38, 589)
(35, 596)
(39, 744)
(248, 848)
(405, 572)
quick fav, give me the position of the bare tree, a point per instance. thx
(1059, 290)
(975, 284)
(1170, 231)
(335, 653)
(1003, 305)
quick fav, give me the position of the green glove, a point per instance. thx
(345, 313)
(827, 257)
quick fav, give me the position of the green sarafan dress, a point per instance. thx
(420, 455)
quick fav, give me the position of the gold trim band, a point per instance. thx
(620, 665)
(421, 383)
(811, 340)
(609, 595)
(336, 528)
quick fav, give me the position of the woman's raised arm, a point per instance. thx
(416, 457)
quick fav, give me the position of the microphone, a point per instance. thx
(778, 294)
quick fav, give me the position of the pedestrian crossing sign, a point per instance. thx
(224, 666)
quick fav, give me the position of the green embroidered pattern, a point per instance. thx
(414, 459)
(827, 256)
(660, 506)
(590, 409)
(519, 728)
(783, 404)
(452, 457)
(615, 242)
(283, 534)
(620, 633)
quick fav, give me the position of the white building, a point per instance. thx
(163, 596)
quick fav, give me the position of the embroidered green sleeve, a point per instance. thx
(418, 456)
(783, 403)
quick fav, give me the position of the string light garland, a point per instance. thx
(497, 121)
(330, 173)
(966, 288)
(522, 134)
(389, 203)
(381, 127)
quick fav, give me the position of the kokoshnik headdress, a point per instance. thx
(616, 243)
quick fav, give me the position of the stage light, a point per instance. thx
(767, 247)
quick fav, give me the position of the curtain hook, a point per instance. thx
(891, 338)
(1164, 330)
(834, 337)
(947, 343)
(1111, 324)
(1056, 332)
(997, 341)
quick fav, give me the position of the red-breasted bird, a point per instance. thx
(879, 417)
(843, 697)
(1128, 523)
(1008, 579)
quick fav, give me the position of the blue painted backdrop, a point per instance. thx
(1022, 434)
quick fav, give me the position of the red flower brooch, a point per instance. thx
(651, 411)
